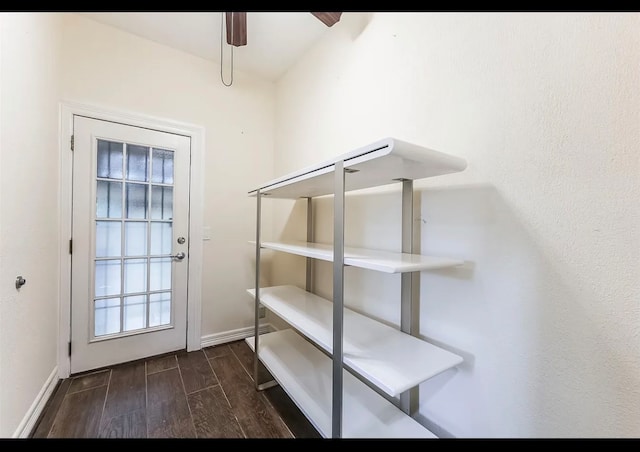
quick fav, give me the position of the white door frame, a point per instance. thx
(196, 208)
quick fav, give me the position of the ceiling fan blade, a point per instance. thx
(236, 29)
(328, 19)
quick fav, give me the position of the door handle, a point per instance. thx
(179, 256)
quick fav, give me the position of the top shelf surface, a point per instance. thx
(384, 162)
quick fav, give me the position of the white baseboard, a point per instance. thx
(232, 335)
(33, 413)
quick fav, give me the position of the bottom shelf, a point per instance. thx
(304, 372)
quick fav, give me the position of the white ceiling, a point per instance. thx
(274, 39)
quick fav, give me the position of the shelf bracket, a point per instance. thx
(409, 304)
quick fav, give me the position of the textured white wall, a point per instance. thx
(546, 109)
(115, 69)
(29, 68)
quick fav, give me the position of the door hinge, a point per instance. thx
(72, 140)
(70, 246)
(69, 348)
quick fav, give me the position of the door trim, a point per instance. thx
(67, 110)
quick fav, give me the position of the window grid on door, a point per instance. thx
(133, 230)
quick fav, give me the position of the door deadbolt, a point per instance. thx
(181, 240)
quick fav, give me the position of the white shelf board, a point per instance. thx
(304, 373)
(390, 359)
(383, 261)
(380, 163)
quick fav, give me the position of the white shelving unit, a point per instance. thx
(384, 162)
(305, 374)
(342, 393)
(383, 355)
(382, 261)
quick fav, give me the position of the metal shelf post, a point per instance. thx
(338, 298)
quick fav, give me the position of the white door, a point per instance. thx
(130, 243)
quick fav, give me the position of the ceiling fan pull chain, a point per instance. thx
(221, 45)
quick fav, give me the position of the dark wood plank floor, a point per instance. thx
(204, 394)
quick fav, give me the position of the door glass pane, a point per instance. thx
(135, 311)
(109, 159)
(140, 189)
(135, 275)
(160, 309)
(160, 274)
(136, 201)
(137, 162)
(160, 238)
(107, 316)
(108, 238)
(161, 202)
(107, 277)
(162, 166)
(135, 238)
(109, 199)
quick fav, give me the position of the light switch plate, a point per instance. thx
(206, 233)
